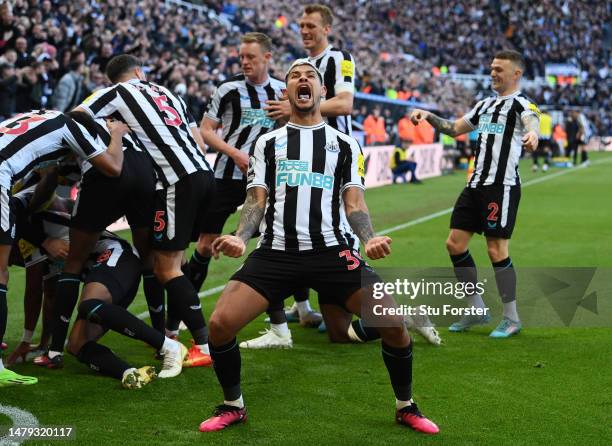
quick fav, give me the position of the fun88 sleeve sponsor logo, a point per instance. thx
(255, 116)
(486, 126)
(297, 173)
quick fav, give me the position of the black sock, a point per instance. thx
(102, 359)
(505, 276)
(173, 320)
(584, 156)
(465, 268)
(154, 295)
(198, 269)
(188, 307)
(365, 333)
(67, 295)
(399, 366)
(226, 362)
(277, 317)
(301, 295)
(121, 321)
(3, 311)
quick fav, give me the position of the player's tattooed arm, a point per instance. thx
(532, 134)
(252, 213)
(446, 126)
(531, 123)
(357, 214)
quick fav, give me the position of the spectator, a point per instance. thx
(8, 91)
(400, 165)
(374, 128)
(70, 92)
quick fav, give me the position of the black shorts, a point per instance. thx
(103, 200)
(335, 273)
(118, 269)
(180, 210)
(229, 195)
(490, 210)
(7, 218)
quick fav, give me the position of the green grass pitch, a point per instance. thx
(478, 390)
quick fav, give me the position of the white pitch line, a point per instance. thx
(416, 221)
(20, 418)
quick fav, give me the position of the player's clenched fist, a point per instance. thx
(378, 247)
(530, 141)
(117, 128)
(417, 115)
(230, 245)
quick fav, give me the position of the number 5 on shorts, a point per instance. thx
(159, 221)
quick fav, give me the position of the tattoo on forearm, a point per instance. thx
(532, 124)
(250, 217)
(442, 125)
(360, 223)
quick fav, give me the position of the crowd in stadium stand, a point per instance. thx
(53, 51)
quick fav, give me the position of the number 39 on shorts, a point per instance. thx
(353, 259)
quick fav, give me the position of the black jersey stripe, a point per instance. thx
(103, 101)
(268, 236)
(506, 144)
(291, 193)
(233, 98)
(228, 172)
(329, 80)
(76, 132)
(488, 155)
(341, 173)
(318, 166)
(161, 176)
(255, 103)
(152, 133)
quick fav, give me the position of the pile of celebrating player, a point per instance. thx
(286, 154)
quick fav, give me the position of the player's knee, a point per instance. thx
(496, 253)
(219, 329)
(205, 244)
(4, 275)
(453, 246)
(395, 334)
(87, 309)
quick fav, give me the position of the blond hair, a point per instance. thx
(262, 39)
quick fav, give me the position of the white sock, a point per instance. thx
(128, 371)
(280, 329)
(1, 365)
(204, 348)
(172, 332)
(27, 336)
(303, 308)
(399, 404)
(169, 344)
(236, 403)
(53, 354)
(475, 300)
(510, 311)
(352, 335)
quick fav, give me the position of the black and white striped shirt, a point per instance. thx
(500, 130)
(305, 171)
(160, 122)
(238, 105)
(39, 138)
(338, 70)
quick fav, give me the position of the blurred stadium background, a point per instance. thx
(428, 54)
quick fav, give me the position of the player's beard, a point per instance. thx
(308, 108)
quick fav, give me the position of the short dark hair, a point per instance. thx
(513, 56)
(324, 11)
(262, 39)
(85, 120)
(120, 65)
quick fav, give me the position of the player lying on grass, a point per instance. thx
(111, 283)
(297, 176)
